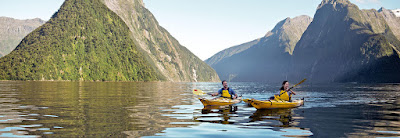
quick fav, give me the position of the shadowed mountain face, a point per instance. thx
(341, 44)
(173, 61)
(263, 59)
(344, 43)
(84, 40)
(13, 30)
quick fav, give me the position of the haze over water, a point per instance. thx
(136, 109)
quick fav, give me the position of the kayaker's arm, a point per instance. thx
(214, 94)
(219, 92)
(294, 93)
(236, 96)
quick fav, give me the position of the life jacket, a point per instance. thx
(283, 95)
(225, 93)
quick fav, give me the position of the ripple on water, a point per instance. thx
(389, 132)
(221, 130)
(17, 136)
(11, 128)
(57, 127)
(33, 125)
(50, 115)
(43, 129)
(184, 123)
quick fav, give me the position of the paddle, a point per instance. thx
(200, 92)
(294, 86)
(298, 84)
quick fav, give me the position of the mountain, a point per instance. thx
(13, 30)
(392, 20)
(263, 59)
(108, 40)
(174, 61)
(84, 40)
(226, 53)
(346, 44)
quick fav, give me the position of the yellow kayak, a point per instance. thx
(220, 101)
(247, 101)
(272, 104)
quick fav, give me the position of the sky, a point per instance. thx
(205, 27)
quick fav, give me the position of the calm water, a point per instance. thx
(160, 109)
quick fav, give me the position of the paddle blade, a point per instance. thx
(300, 82)
(198, 92)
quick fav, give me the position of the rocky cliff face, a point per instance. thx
(266, 58)
(13, 30)
(344, 43)
(167, 56)
(392, 20)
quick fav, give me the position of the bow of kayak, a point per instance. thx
(247, 101)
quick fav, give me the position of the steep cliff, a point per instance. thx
(174, 61)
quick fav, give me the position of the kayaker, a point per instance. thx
(226, 91)
(285, 93)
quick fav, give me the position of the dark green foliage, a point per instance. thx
(84, 40)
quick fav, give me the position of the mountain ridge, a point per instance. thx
(342, 44)
(174, 61)
(228, 52)
(12, 31)
(271, 53)
(341, 41)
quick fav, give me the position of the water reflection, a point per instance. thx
(273, 117)
(95, 109)
(156, 103)
(217, 114)
(10, 114)
(137, 109)
(385, 122)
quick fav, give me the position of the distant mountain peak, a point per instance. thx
(344, 43)
(381, 9)
(334, 3)
(289, 22)
(262, 59)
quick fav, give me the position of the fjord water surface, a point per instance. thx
(164, 109)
